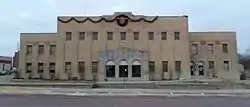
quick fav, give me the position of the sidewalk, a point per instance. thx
(122, 92)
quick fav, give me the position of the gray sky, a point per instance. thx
(40, 15)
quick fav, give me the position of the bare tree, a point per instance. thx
(244, 59)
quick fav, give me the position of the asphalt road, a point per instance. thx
(70, 101)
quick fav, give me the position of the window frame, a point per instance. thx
(211, 67)
(151, 65)
(28, 65)
(123, 36)
(52, 49)
(163, 35)
(165, 66)
(95, 35)
(136, 35)
(177, 35)
(151, 35)
(194, 49)
(210, 46)
(68, 36)
(109, 36)
(52, 65)
(82, 36)
(29, 49)
(226, 66)
(178, 66)
(225, 49)
(40, 49)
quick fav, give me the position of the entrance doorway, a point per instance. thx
(201, 68)
(110, 69)
(192, 68)
(123, 69)
(136, 69)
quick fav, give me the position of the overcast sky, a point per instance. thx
(40, 15)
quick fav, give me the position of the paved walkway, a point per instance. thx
(121, 92)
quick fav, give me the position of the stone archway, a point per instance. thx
(201, 68)
(110, 69)
(136, 68)
(123, 68)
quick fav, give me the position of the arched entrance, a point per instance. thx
(110, 69)
(201, 68)
(136, 69)
(123, 69)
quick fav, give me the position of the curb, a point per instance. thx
(110, 94)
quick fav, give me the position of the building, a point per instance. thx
(5, 63)
(127, 47)
(15, 60)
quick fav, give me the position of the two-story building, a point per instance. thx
(128, 47)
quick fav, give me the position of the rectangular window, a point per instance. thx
(40, 67)
(136, 35)
(41, 49)
(94, 67)
(81, 35)
(109, 35)
(176, 35)
(28, 67)
(52, 49)
(225, 48)
(226, 66)
(52, 67)
(177, 65)
(81, 67)
(151, 66)
(68, 36)
(165, 66)
(150, 35)
(123, 35)
(163, 35)
(95, 35)
(194, 49)
(67, 67)
(211, 48)
(211, 65)
(29, 49)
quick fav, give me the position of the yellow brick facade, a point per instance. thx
(131, 59)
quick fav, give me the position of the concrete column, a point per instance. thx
(22, 60)
(129, 71)
(88, 65)
(46, 61)
(185, 69)
(117, 71)
(60, 57)
(74, 60)
(88, 70)
(101, 73)
(145, 70)
(34, 67)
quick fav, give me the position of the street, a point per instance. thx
(70, 101)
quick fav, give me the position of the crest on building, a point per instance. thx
(122, 20)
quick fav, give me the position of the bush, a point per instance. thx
(95, 86)
(243, 76)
